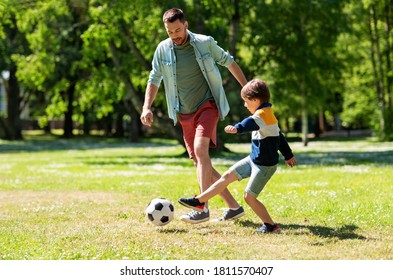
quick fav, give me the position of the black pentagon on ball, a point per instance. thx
(150, 216)
(158, 206)
(164, 219)
(171, 207)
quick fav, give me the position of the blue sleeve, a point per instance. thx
(155, 76)
(284, 148)
(246, 125)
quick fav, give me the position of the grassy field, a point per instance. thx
(85, 199)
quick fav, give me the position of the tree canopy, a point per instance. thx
(86, 62)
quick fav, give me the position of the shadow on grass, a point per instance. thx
(55, 143)
(345, 158)
(343, 233)
(143, 160)
(303, 159)
(49, 142)
(172, 230)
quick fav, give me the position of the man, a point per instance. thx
(195, 97)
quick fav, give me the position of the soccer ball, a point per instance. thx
(160, 211)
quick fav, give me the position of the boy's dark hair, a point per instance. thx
(174, 14)
(256, 89)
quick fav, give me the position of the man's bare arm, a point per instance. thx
(237, 72)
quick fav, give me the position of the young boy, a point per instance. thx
(262, 162)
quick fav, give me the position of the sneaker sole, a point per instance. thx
(220, 219)
(194, 221)
(237, 216)
(191, 207)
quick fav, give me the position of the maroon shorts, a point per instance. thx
(202, 123)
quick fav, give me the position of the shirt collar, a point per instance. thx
(264, 105)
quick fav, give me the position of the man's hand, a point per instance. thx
(147, 117)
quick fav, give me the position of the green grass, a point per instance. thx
(84, 199)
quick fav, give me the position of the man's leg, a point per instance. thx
(207, 175)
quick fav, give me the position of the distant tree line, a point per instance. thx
(328, 62)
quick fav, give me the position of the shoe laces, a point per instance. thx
(226, 212)
(194, 214)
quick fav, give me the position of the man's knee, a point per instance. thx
(201, 148)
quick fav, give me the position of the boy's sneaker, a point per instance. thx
(230, 214)
(195, 217)
(192, 203)
(267, 228)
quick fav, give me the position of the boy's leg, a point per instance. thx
(198, 203)
(268, 224)
(218, 187)
(234, 210)
(241, 170)
(260, 175)
(226, 195)
(258, 208)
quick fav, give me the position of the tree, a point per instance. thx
(53, 30)
(88, 61)
(117, 41)
(12, 42)
(292, 45)
(380, 25)
(368, 98)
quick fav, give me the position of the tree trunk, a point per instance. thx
(198, 20)
(13, 122)
(377, 68)
(234, 28)
(304, 114)
(134, 132)
(388, 16)
(11, 126)
(68, 123)
(86, 123)
(118, 118)
(388, 28)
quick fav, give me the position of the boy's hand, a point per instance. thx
(291, 162)
(230, 129)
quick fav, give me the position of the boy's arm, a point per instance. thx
(286, 151)
(246, 125)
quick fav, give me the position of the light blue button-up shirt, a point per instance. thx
(208, 55)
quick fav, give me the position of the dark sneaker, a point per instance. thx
(267, 228)
(230, 214)
(192, 203)
(195, 217)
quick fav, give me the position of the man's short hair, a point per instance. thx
(174, 14)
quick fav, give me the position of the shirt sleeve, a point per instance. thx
(155, 76)
(246, 125)
(284, 148)
(219, 55)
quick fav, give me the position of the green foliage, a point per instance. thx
(307, 51)
(368, 84)
(291, 45)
